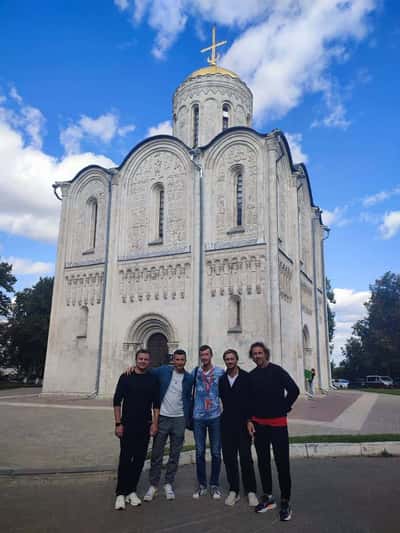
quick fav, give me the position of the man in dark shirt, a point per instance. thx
(234, 391)
(138, 393)
(273, 392)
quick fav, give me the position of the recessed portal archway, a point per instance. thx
(154, 332)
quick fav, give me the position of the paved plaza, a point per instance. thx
(55, 433)
(347, 495)
(43, 440)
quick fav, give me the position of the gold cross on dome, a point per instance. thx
(213, 59)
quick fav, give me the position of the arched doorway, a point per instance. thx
(158, 348)
(153, 332)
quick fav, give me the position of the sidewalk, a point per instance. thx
(329, 496)
(41, 432)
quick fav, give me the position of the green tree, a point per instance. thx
(330, 295)
(7, 281)
(25, 335)
(374, 347)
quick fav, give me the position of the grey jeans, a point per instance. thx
(174, 428)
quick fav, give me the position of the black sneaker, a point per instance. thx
(267, 503)
(285, 512)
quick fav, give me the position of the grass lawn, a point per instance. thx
(396, 392)
(376, 437)
(373, 437)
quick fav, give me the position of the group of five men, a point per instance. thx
(160, 402)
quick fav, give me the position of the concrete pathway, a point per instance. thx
(348, 495)
(52, 433)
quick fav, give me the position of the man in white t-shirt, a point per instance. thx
(175, 393)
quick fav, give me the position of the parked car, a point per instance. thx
(379, 382)
(357, 383)
(340, 383)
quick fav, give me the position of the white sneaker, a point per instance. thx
(253, 500)
(169, 491)
(119, 503)
(133, 499)
(232, 498)
(215, 492)
(150, 494)
(201, 491)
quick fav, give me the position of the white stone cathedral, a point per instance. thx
(208, 236)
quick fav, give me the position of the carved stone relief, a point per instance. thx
(285, 279)
(83, 288)
(166, 281)
(229, 275)
(160, 167)
(236, 156)
(80, 218)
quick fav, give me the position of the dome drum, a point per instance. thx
(207, 102)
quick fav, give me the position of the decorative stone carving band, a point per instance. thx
(285, 279)
(84, 288)
(158, 282)
(236, 275)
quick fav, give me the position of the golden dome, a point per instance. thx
(213, 69)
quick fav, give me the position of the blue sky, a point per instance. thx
(83, 82)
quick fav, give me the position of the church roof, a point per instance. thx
(212, 69)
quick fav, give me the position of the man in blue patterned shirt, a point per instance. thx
(206, 417)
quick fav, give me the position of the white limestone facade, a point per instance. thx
(208, 236)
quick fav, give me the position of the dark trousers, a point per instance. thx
(279, 438)
(236, 440)
(131, 459)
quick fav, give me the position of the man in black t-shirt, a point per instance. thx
(273, 392)
(139, 394)
(234, 391)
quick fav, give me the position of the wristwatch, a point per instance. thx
(117, 424)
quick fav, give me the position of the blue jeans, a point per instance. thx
(200, 427)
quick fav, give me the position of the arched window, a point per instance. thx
(237, 309)
(92, 224)
(195, 125)
(158, 214)
(239, 197)
(161, 213)
(225, 116)
(83, 322)
(235, 314)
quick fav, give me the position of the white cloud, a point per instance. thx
(168, 19)
(26, 119)
(391, 225)
(336, 217)
(122, 4)
(294, 140)
(379, 197)
(103, 128)
(283, 50)
(140, 7)
(370, 218)
(124, 130)
(163, 128)
(14, 94)
(27, 204)
(335, 111)
(349, 308)
(21, 267)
